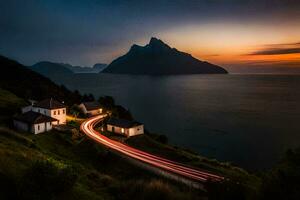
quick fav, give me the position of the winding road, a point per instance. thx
(155, 161)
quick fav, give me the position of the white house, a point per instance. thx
(125, 127)
(33, 122)
(91, 108)
(51, 108)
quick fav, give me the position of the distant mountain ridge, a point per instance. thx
(51, 69)
(157, 58)
(98, 67)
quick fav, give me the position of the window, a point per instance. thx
(38, 127)
(122, 130)
(64, 111)
(58, 112)
(54, 113)
(45, 111)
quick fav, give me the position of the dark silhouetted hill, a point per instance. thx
(157, 58)
(50, 69)
(28, 84)
(99, 67)
(56, 70)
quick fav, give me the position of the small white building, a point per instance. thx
(33, 122)
(52, 108)
(91, 108)
(125, 127)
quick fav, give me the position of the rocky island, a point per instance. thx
(158, 58)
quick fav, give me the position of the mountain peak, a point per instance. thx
(157, 42)
(157, 58)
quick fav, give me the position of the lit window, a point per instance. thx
(122, 130)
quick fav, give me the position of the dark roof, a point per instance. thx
(93, 105)
(34, 118)
(123, 123)
(49, 104)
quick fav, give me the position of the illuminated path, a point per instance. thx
(155, 161)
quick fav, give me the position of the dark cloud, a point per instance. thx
(277, 49)
(73, 30)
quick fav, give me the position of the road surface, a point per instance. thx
(155, 161)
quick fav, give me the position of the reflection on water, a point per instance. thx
(246, 119)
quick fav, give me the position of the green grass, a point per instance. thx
(9, 104)
(100, 173)
(9, 99)
(250, 182)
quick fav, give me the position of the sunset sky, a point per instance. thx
(240, 35)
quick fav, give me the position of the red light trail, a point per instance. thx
(155, 161)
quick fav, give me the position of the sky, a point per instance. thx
(243, 36)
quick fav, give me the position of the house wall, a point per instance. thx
(35, 128)
(59, 114)
(26, 109)
(41, 110)
(21, 125)
(137, 130)
(94, 112)
(118, 130)
(39, 128)
(90, 112)
(48, 126)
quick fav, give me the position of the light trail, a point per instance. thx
(155, 161)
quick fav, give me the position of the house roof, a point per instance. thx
(93, 105)
(34, 118)
(123, 123)
(49, 104)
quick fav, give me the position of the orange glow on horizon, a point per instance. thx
(232, 43)
(267, 59)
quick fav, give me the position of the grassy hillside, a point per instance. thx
(28, 84)
(57, 165)
(240, 183)
(82, 169)
(9, 104)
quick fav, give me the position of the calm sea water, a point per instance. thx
(249, 120)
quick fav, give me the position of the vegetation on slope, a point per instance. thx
(53, 166)
(28, 84)
(9, 104)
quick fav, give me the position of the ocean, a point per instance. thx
(248, 120)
